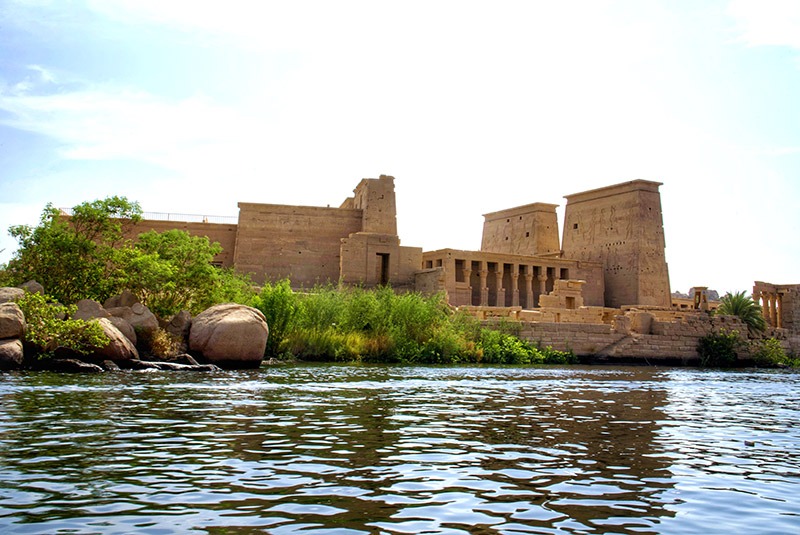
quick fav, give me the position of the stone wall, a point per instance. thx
(371, 260)
(299, 242)
(666, 342)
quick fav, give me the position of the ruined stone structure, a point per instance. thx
(780, 304)
(621, 227)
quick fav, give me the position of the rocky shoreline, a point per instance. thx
(228, 335)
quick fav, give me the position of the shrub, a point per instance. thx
(769, 353)
(165, 345)
(554, 356)
(719, 349)
(279, 304)
(49, 328)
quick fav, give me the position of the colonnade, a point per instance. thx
(771, 303)
(491, 283)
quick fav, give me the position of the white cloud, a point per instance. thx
(767, 22)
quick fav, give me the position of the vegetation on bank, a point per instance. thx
(722, 349)
(49, 327)
(359, 325)
(89, 256)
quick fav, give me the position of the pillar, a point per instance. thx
(468, 279)
(529, 287)
(514, 285)
(484, 274)
(765, 306)
(501, 292)
(542, 278)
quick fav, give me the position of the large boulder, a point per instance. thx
(125, 299)
(88, 309)
(179, 324)
(119, 347)
(32, 287)
(9, 294)
(230, 335)
(12, 321)
(11, 354)
(139, 316)
(125, 328)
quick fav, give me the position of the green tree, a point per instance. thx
(741, 305)
(171, 271)
(75, 257)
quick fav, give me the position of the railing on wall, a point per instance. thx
(183, 218)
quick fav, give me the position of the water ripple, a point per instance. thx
(337, 449)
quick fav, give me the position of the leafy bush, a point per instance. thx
(769, 353)
(719, 349)
(49, 328)
(554, 356)
(358, 325)
(279, 304)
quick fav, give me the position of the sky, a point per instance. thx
(192, 106)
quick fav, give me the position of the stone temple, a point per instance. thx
(613, 242)
(601, 289)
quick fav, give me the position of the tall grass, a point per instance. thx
(358, 325)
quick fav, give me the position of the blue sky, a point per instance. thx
(473, 107)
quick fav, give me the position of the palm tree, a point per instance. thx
(742, 305)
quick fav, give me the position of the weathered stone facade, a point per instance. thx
(530, 230)
(621, 226)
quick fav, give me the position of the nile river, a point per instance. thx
(352, 450)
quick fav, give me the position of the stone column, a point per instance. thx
(529, 287)
(765, 306)
(501, 292)
(779, 311)
(773, 311)
(515, 285)
(468, 279)
(484, 288)
(542, 278)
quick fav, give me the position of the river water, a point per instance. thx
(353, 450)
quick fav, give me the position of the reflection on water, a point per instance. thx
(401, 450)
